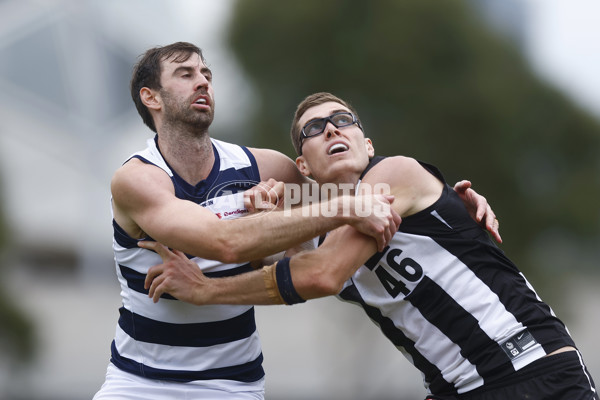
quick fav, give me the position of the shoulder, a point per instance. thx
(413, 186)
(396, 168)
(135, 177)
(267, 155)
(234, 152)
(137, 186)
(135, 168)
(273, 164)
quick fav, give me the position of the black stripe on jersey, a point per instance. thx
(377, 159)
(494, 269)
(433, 376)
(242, 269)
(372, 162)
(122, 238)
(201, 334)
(135, 280)
(247, 372)
(516, 296)
(442, 311)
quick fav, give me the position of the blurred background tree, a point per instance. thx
(432, 81)
(17, 343)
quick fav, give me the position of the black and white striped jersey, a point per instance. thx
(452, 302)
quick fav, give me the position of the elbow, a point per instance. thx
(226, 251)
(231, 247)
(330, 288)
(228, 256)
(324, 283)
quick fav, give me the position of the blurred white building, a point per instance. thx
(66, 115)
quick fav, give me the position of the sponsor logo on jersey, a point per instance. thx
(227, 206)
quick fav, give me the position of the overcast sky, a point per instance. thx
(563, 43)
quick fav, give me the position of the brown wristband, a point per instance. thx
(271, 284)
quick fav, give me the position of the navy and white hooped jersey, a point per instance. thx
(215, 345)
(452, 302)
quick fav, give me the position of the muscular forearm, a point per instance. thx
(248, 288)
(310, 275)
(260, 236)
(255, 236)
(324, 271)
(277, 231)
(307, 275)
(238, 240)
(271, 285)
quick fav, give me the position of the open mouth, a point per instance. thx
(337, 148)
(201, 101)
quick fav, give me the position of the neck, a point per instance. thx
(338, 187)
(189, 154)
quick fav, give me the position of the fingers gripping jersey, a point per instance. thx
(452, 302)
(175, 341)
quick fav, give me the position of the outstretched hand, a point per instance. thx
(177, 275)
(478, 208)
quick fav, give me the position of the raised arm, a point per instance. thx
(144, 204)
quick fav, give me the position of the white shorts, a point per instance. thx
(121, 385)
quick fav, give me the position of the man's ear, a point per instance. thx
(369, 147)
(150, 98)
(302, 166)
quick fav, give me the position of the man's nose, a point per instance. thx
(201, 82)
(331, 130)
